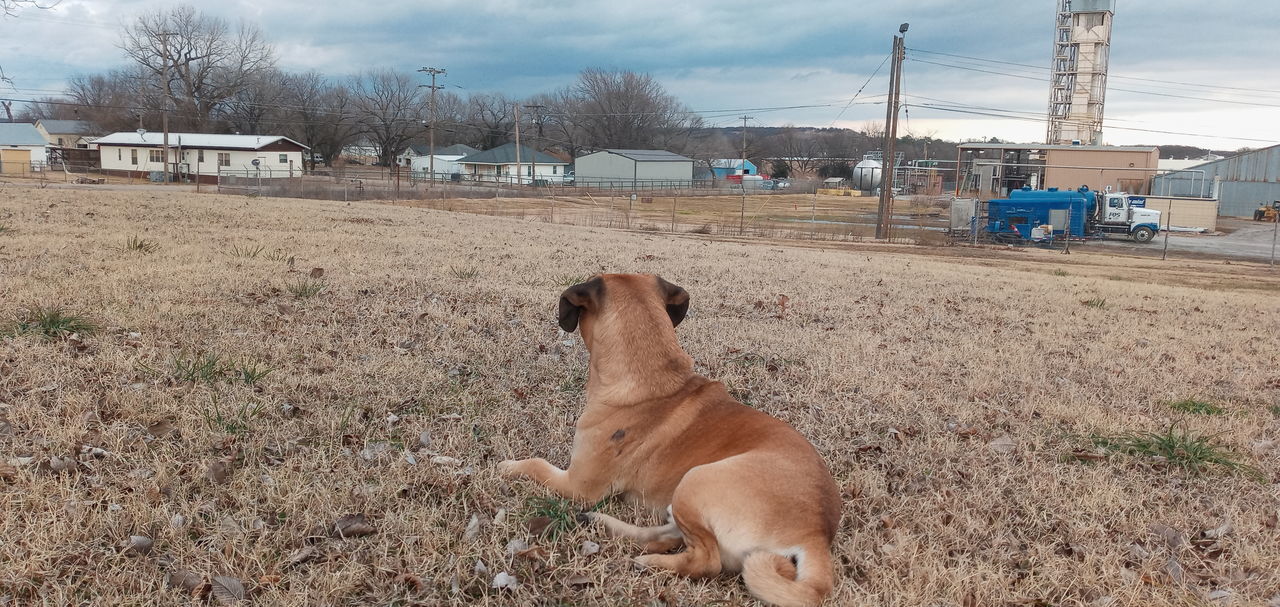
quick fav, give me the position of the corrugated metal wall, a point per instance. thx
(1248, 180)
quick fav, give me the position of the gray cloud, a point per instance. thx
(727, 55)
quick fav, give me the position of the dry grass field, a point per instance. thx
(300, 402)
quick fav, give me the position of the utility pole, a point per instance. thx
(537, 119)
(744, 140)
(168, 96)
(431, 130)
(884, 226)
(518, 178)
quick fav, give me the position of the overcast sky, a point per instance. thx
(725, 58)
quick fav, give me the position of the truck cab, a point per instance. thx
(1128, 214)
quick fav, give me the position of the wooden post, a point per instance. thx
(1168, 223)
(673, 214)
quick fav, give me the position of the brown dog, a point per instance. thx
(746, 491)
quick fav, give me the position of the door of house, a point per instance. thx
(14, 161)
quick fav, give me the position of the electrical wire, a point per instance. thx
(1109, 76)
(859, 92)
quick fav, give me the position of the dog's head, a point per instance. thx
(632, 298)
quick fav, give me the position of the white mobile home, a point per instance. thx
(200, 155)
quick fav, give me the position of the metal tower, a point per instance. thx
(1081, 45)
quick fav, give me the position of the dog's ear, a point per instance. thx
(677, 301)
(576, 298)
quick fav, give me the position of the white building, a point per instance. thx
(201, 154)
(22, 149)
(418, 158)
(499, 165)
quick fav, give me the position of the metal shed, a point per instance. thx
(1240, 182)
(636, 168)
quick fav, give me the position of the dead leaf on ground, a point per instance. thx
(227, 590)
(505, 580)
(161, 428)
(352, 525)
(218, 472)
(183, 579)
(538, 524)
(1220, 531)
(316, 273)
(577, 580)
(1004, 444)
(1172, 537)
(412, 581)
(138, 544)
(300, 556)
(588, 548)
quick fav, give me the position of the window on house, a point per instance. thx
(155, 155)
(554, 169)
(199, 155)
(133, 156)
(529, 171)
(119, 154)
(284, 159)
(224, 159)
(59, 142)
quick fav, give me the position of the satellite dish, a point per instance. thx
(142, 132)
(256, 162)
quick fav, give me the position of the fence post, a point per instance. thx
(673, 214)
(1168, 223)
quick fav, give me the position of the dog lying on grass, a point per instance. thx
(743, 491)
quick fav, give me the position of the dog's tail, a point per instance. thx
(772, 578)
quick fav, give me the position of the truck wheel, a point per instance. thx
(1143, 234)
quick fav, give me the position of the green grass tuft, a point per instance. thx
(206, 367)
(464, 272)
(6, 229)
(276, 255)
(563, 513)
(306, 288)
(1198, 407)
(1275, 410)
(233, 419)
(1179, 449)
(1096, 302)
(568, 280)
(141, 245)
(247, 251)
(1060, 273)
(51, 322)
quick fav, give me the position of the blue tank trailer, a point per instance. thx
(1045, 215)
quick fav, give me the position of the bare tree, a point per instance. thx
(491, 119)
(256, 107)
(389, 109)
(624, 109)
(196, 61)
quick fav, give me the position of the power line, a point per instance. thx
(993, 114)
(1041, 67)
(1154, 93)
(864, 85)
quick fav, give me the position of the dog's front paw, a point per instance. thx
(510, 468)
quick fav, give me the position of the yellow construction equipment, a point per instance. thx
(1266, 212)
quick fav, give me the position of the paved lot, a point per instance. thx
(1247, 240)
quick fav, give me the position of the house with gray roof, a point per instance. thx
(633, 168)
(66, 133)
(22, 149)
(500, 165)
(418, 158)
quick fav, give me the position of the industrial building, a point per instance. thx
(1240, 183)
(990, 170)
(644, 168)
(1078, 84)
